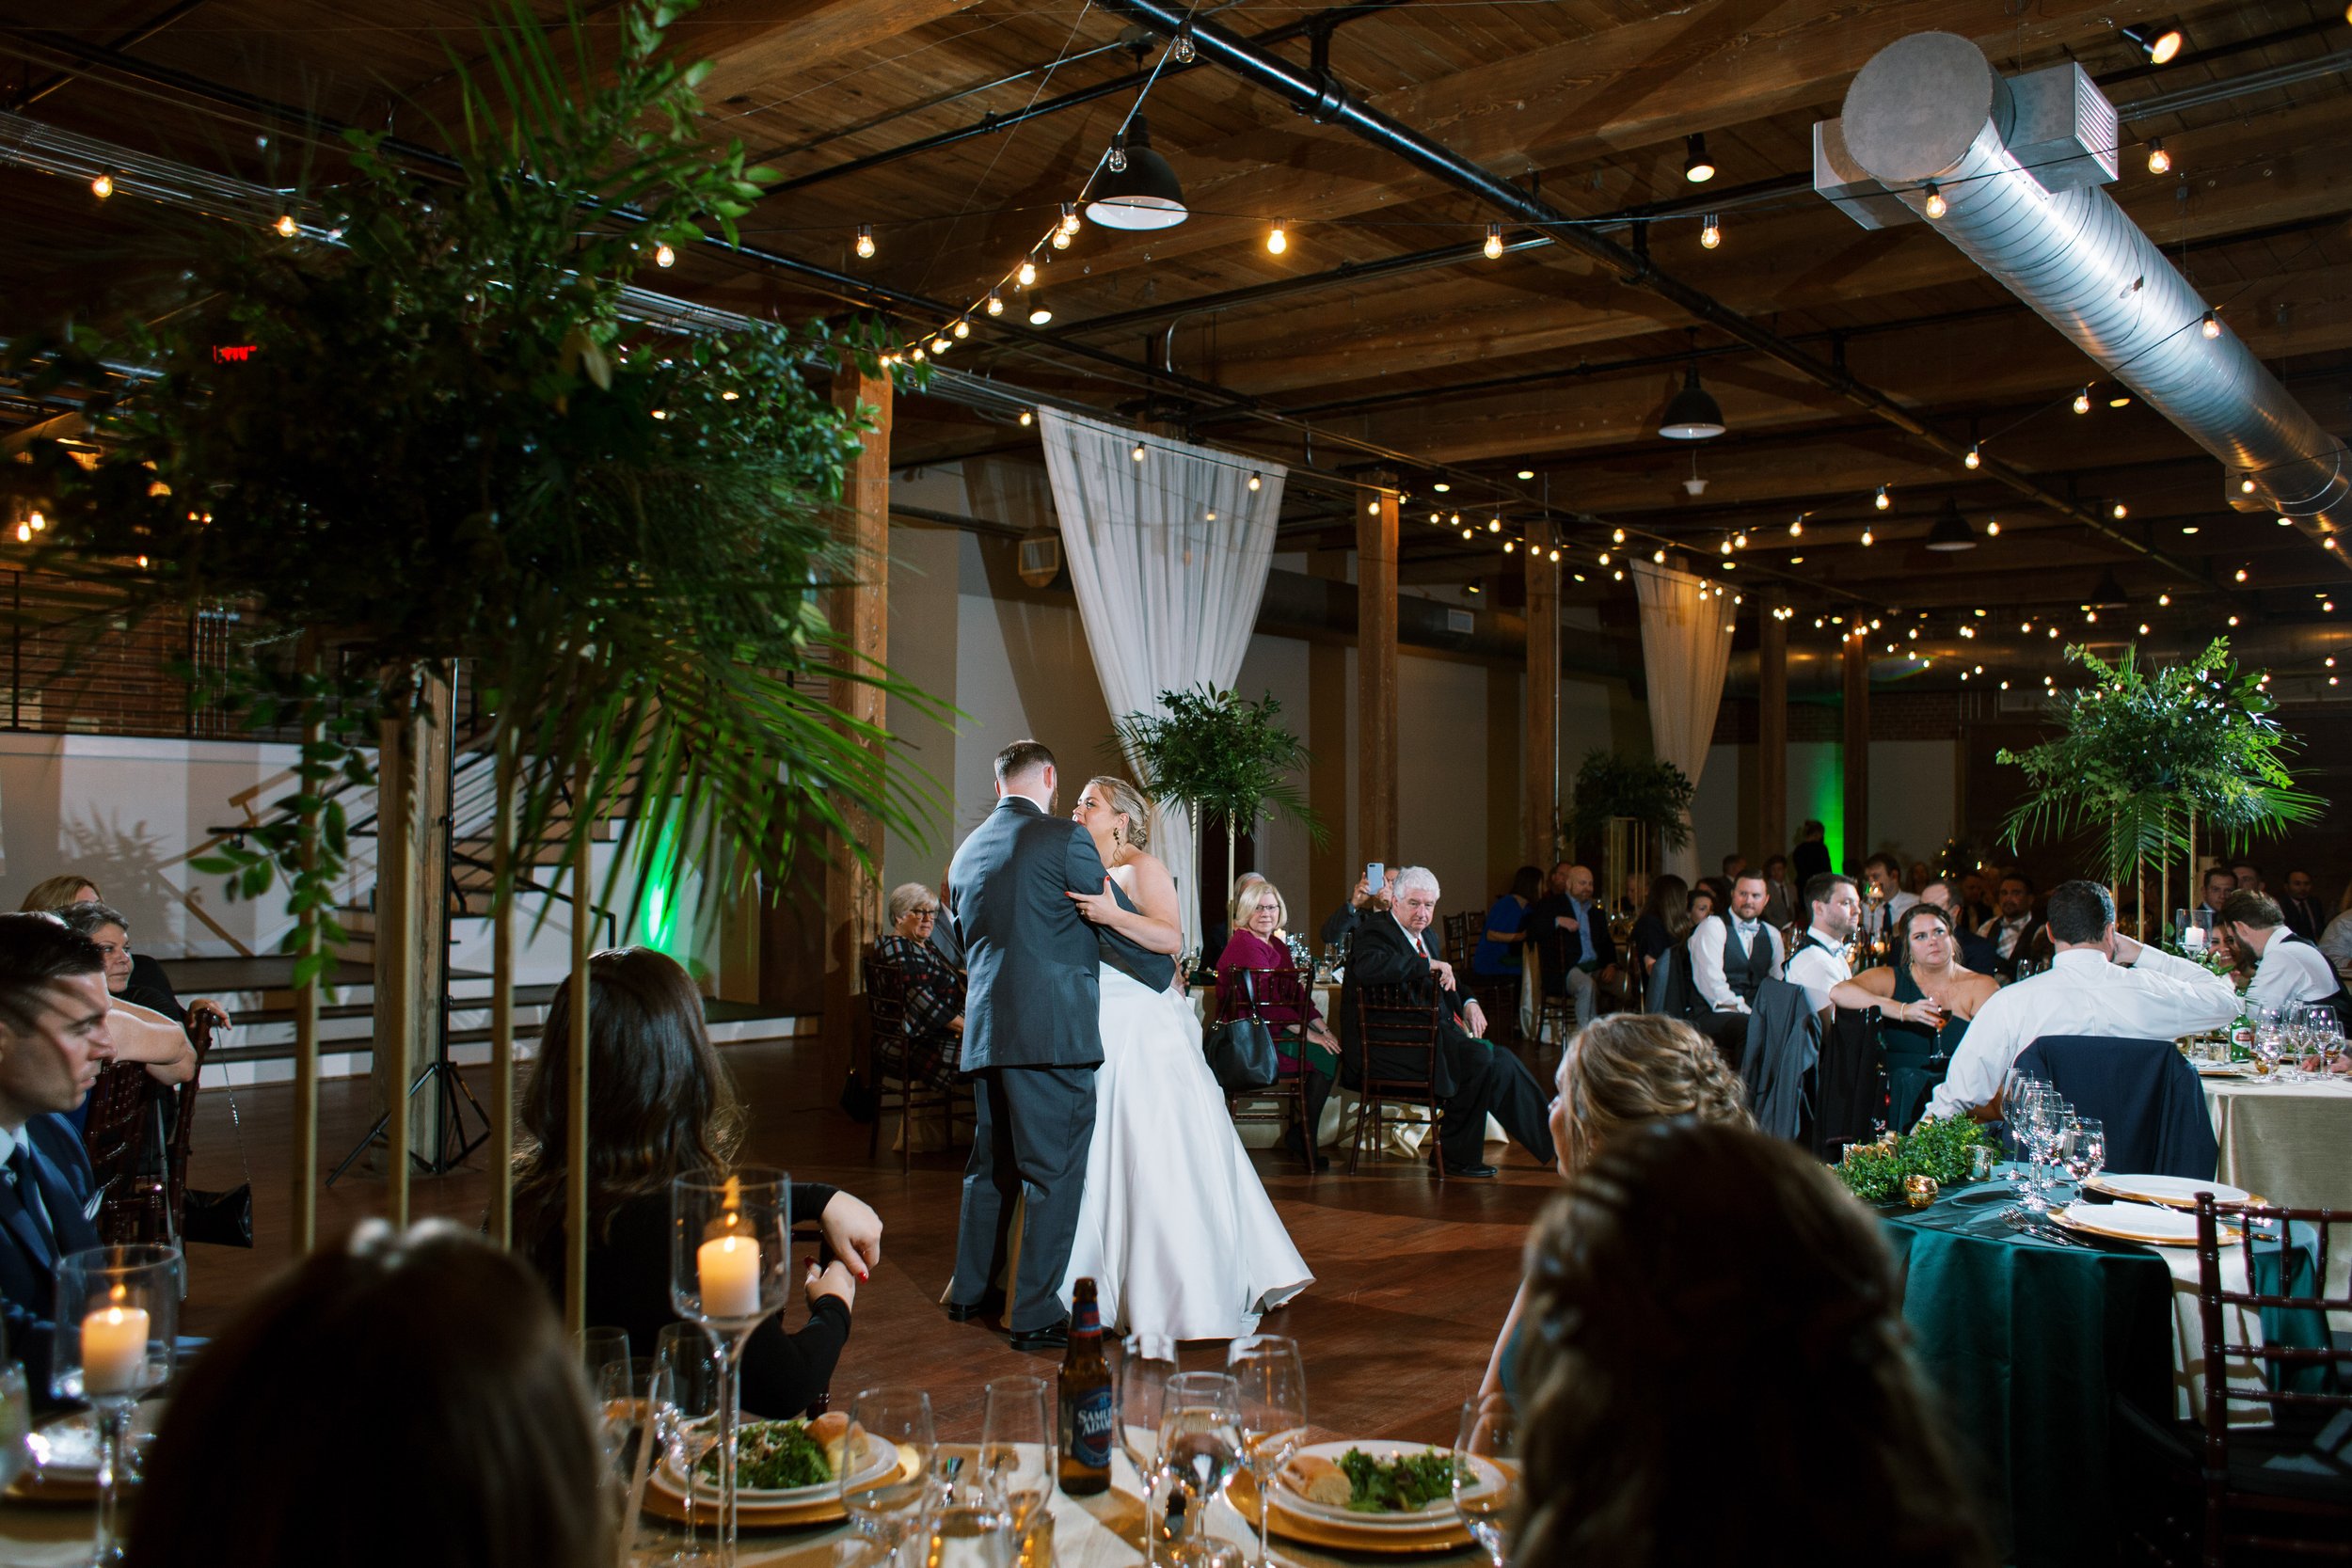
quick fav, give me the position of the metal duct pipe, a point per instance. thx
(2016, 167)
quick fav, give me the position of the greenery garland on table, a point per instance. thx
(447, 439)
(1219, 755)
(1649, 790)
(1936, 1146)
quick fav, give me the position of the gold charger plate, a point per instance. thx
(2164, 1200)
(2227, 1233)
(1243, 1495)
(666, 1502)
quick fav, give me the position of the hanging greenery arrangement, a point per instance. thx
(2143, 757)
(449, 437)
(1650, 791)
(1219, 756)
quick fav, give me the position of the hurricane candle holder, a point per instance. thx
(730, 1242)
(117, 1326)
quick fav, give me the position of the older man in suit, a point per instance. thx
(53, 1040)
(1472, 1078)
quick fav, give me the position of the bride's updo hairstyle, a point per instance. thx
(1126, 800)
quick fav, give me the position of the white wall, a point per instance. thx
(1911, 799)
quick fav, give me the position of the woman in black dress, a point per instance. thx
(660, 1104)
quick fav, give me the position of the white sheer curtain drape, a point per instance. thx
(1168, 560)
(1686, 647)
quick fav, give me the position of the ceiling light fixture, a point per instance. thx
(1697, 167)
(2160, 44)
(2159, 161)
(1141, 191)
(1039, 313)
(1527, 473)
(1694, 415)
(1951, 530)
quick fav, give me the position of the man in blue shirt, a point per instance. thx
(1571, 932)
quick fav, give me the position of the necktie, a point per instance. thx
(27, 1184)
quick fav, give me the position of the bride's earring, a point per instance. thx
(1117, 839)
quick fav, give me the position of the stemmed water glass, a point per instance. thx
(118, 1319)
(1018, 1453)
(1200, 1450)
(1139, 1389)
(2084, 1148)
(1273, 1382)
(968, 1524)
(1490, 1431)
(685, 1397)
(898, 1418)
(2270, 1041)
(730, 1244)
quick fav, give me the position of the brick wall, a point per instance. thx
(72, 665)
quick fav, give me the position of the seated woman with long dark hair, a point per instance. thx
(1664, 920)
(660, 1104)
(1706, 1291)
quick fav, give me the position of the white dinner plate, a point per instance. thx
(2134, 1222)
(2225, 1070)
(1439, 1513)
(2170, 1192)
(873, 1461)
(66, 1448)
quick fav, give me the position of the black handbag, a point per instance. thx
(1240, 1051)
(860, 1100)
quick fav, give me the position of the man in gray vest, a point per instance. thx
(1032, 1041)
(1733, 952)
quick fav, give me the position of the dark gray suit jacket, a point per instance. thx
(1031, 994)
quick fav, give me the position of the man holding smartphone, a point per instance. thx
(1375, 893)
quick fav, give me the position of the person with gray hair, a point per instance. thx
(929, 1052)
(141, 1034)
(1471, 1079)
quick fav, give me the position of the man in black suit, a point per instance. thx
(1810, 859)
(2015, 933)
(2305, 918)
(1032, 1042)
(1472, 1078)
(52, 1040)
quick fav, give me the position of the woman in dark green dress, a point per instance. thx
(1925, 1000)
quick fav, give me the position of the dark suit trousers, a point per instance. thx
(1032, 1129)
(1476, 1080)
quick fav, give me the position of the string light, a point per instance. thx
(1604, 558)
(865, 242)
(2211, 328)
(1660, 557)
(285, 226)
(1137, 452)
(1070, 218)
(2082, 400)
(1062, 239)
(1373, 510)
(1555, 555)
(1992, 527)
(1712, 232)
(995, 303)
(1883, 501)
(2233, 620)
(662, 256)
(1494, 242)
(1027, 419)
(1454, 521)
(963, 328)
(1796, 529)
(103, 188)
(2164, 598)
(1027, 273)
(1509, 546)
(1865, 534)
(2246, 486)
(1468, 533)
(940, 344)
(1255, 481)
(1276, 241)
(1936, 206)
(2118, 511)
(2159, 161)
(1974, 458)
(1617, 536)
(2241, 573)
(1495, 525)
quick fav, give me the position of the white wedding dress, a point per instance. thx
(1175, 1228)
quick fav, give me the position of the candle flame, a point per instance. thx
(120, 1294)
(733, 1198)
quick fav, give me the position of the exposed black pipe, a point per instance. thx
(1324, 96)
(989, 124)
(139, 34)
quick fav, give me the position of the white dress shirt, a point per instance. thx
(1707, 960)
(2157, 997)
(2291, 972)
(2336, 942)
(2006, 933)
(1819, 967)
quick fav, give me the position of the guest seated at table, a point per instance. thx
(1974, 952)
(2288, 970)
(1925, 999)
(1976, 895)
(141, 1035)
(2336, 940)
(928, 1054)
(1473, 1079)
(2301, 905)
(1780, 893)
(2013, 930)
(1664, 920)
(1258, 917)
(1704, 1289)
(2219, 882)
(1498, 951)
(1817, 959)
(1570, 931)
(54, 1018)
(1620, 1074)
(411, 1399)
(1212, 940)
(1636, 894)
(1884, 898)
(660, 1104)
(148, 985)
(1701, 904)
(2100, 982)
(1364, 900)
(1732, 954)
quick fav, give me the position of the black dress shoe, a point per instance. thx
(987, 1307)
(1052, 1337)
(1297, 1146)
(1475, 1172)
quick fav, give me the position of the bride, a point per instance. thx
(1174, 1228)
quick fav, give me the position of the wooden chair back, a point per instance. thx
(1246, 992)
(1461, 930)
(886, 1020)
(1395, 1059)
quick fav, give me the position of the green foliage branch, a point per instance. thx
(1936, 1146)
(1649, 790)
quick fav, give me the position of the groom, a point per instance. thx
(1032, 1042)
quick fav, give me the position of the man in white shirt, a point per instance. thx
(1883, 895)
(2100, 982)
(1733, 952)
(1818, 960)
(2289, 970)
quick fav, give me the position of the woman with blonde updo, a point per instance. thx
(1620, 1072)
(1174, 1228)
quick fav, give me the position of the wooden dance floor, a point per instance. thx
(1411, 1283)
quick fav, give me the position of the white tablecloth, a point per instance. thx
(2290, 1144)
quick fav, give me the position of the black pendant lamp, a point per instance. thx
(1694, 415)
(1145, 194)
(1950, 530)
(2107, 593)
(1697, 167)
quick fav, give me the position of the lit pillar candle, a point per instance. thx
(114, 1350)
(729, 1270)
(2193, 938)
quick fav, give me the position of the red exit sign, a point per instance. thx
(232, 353)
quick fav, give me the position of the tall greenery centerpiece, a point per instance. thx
(1650, 792)
(450, 439)
(2142, 756)
(1218, 755)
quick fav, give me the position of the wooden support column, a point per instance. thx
(306, 1023)
(1858, 749)
(1375, 679)
(1539, 799)
(395, 956)
(1771, 737)
(502, 1147)
(860, 613)
(576, 1112)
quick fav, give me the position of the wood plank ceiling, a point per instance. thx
(1381, 328)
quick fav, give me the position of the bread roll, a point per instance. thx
(831, 1431)
(1319, 1480)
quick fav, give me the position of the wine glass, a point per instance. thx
(2269, 1038)
(890, 1416)
(730, 1246)
(1489, 1434)
(1273, 1382)
(969, 1524)
(1141, 1388)
(2086, 1153)
(1200, 1448)
(686, 1408)
(599, 1348)
(1017, 1448)
(118, 1318)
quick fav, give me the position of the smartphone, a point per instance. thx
(1374, 871)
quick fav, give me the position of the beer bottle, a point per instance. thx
(1085, 1401)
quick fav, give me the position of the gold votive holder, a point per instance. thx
(1920, 1191)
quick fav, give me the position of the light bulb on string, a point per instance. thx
(1617, 536)
(995, 303)
(1936, 206)
(1493, 246)
(1993, 527)
(1070, 218)
(1027, 419)
(1026, 273)
(1865, 535)
(1712, 232)
(1555, 555)
(663, 256)
(1509, 546)
(1660, 557)
(1062, 239)
(2210, 324)
(940, 344)
(1276, 241)
(1137, 452)
(1974, 458)
(1883, 501)
(103, 188)
(2119, 509)
(2082, 400)
(1469, 533)
(963, 327)
(1255, 481)
(865, 242)
(1796, 529)
(2164, 598)
(1454, 521)
(2159, 161)
(285, 226)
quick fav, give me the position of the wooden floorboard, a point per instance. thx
(1410, 1282)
